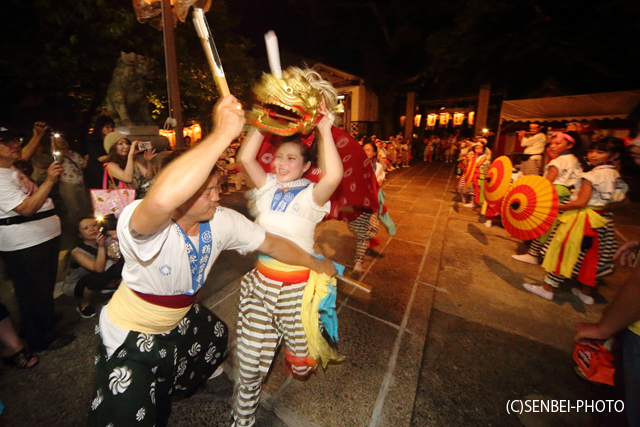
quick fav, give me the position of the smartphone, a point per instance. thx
(144, 145)
(57, 156)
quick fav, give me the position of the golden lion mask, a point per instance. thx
(290, 105)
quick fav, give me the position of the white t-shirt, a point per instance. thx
(159, 265)
(15, 187)
(608, 186)
(569, 170)
(534, 144)
(298, 222)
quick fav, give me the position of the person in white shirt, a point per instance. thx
(533, 143)
(30, 240)
(156, 341)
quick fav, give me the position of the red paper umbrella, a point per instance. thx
(498, 179)
(530, 207)
(471, 167)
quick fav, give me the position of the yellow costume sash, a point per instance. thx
(131, 312)
(635, 328)
(317, 288)
(564, 249)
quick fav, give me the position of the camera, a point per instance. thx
(144, 145)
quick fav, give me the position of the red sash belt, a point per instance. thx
(169, 301)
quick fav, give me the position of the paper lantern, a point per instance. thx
(431, 120)
(194, 132)
(458, 118)
(444, 118)
(472, 115)
(416, 120)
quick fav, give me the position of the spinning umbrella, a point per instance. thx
(530, 207)
(497, 180)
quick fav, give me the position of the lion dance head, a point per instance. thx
(290, 105)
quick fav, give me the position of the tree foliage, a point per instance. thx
(62, 54)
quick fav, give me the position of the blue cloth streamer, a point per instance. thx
(327, 307)
(385, 219)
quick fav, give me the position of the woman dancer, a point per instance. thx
(271, 295)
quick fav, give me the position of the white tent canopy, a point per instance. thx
(597, 106)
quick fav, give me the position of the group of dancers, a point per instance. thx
(581, 243)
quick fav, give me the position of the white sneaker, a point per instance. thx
(538, 290)
(468, 205)
(488, 223)
(584, 298)
(529, 259)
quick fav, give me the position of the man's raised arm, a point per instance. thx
(184, 176)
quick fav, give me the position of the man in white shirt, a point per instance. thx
(157, 342)
(533, 143)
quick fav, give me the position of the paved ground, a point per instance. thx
(446, 337)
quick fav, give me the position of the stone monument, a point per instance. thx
(128, 103)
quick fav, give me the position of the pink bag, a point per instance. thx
(106, 201)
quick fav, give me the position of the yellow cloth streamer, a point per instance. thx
(635, 328)
(317, 288)
(570, 228)
(129, 311)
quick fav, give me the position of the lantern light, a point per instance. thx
(472, 115)
(458, 118)
(431, 120)
(444, 118)
(416, 120)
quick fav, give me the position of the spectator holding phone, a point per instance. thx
(71, 186)
(30, 239)
(123, 166)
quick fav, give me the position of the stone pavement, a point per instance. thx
(445, 338)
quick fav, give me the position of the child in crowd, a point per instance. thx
(392, 156)
(474, 159)
(427, 150)
(95, 266)
(271, 294)
(583, 243)
(405, 148)
(563, 171)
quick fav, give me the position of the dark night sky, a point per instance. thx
(298, 35)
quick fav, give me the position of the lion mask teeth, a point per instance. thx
(287, 106)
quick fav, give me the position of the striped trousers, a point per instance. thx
(269, 312)
(365, 227)
(606, 251)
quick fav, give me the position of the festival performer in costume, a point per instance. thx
(583, 243)
(363, 222)
(289, 206)
(470, 182)
(562, 171)
(156, 341)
